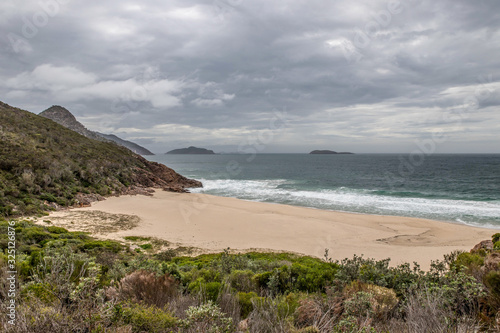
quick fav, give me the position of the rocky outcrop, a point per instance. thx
(160, 176)
(191, 150)
(85, 200)
(483, 245)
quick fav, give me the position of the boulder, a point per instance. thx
(483, 245)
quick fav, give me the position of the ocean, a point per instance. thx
(463, 189)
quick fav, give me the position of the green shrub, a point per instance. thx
(147, 246)
(242, 280)
(110, 245)
(245, 301)
(28, 249)
(212, 290)
(496, 237)
(56, 230)
(492, 281)
(136, 238)
(262, 279)
(350, 324)
(471, 261)
(43, 291)
(35, 235)
(359, 305)
(207, 318)
(48, 197)
(145, 318)
(166, 255)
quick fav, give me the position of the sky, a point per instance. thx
(415, 76)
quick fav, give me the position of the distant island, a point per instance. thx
(191, 150)
(328, 152)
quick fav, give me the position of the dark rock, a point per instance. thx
(137, 190)
(176, 189)
(85, 200)
(492, 262)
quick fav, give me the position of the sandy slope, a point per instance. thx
(215, 223)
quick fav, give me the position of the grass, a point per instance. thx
(147, 246)
(136, 238)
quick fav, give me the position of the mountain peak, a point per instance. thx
(63, 117)
(58, 111)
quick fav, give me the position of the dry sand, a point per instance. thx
(215, 223)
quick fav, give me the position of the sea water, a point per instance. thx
(456, 188)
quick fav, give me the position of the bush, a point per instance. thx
(269, 315)
(207, 318)
(382, 300)
(166, 255)
(496, 237)
(144, 286)
(56, 230)
(242, 281)
(110, 245)
(359, 305)
(492, 281)
(147, 246)
(136, 238)
(145, 318)
(42, 291)
(246, 302)
(36, 235)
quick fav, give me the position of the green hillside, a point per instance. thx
(42, 163)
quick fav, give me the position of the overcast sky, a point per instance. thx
(274, 76)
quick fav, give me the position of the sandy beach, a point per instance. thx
(214, 223)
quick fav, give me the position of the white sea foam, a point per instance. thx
(476, 213)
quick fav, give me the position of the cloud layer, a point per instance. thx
(366, 76)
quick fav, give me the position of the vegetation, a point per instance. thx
(44, 165)
(70, 282)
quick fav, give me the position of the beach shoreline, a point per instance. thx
(212, 224)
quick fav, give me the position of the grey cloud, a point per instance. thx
(218, 71)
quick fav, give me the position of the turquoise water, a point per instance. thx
(456, 188)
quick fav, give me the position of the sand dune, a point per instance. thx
(215, 223)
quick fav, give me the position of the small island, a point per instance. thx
(328, 152)
(191, 150)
